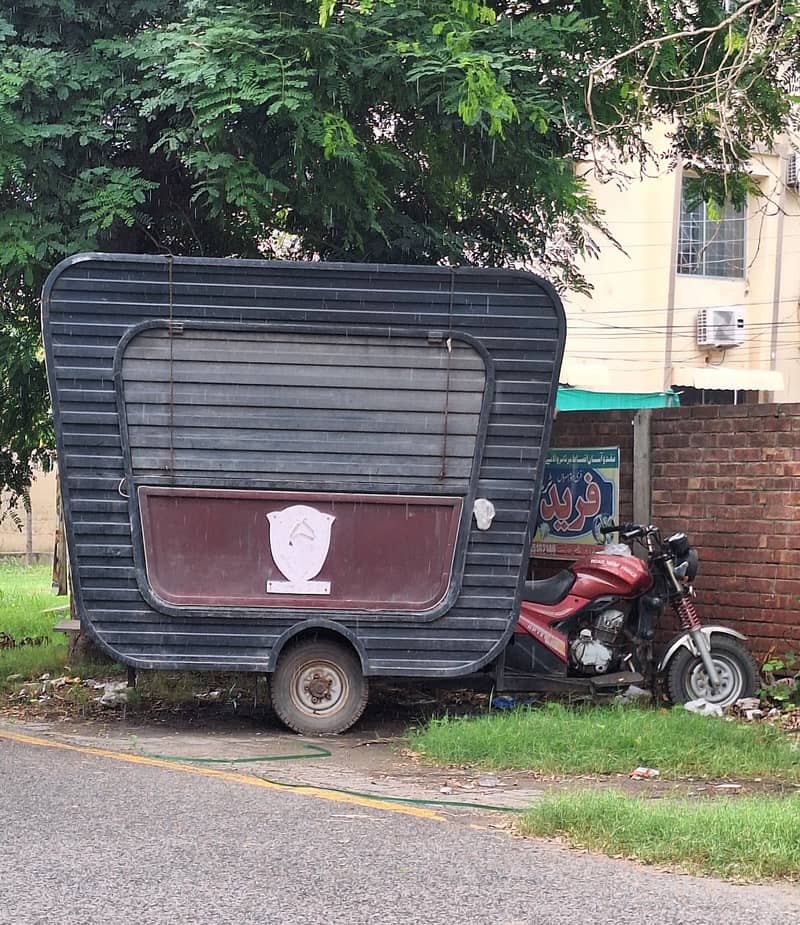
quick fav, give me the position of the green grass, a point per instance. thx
(25, 594)
(749, 837)
(610, 740)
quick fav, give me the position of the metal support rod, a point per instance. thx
(673, 271)
(776, 284)
(642, 476)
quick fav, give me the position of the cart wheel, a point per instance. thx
(318, 687)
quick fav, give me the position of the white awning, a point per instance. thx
(591, 376)
(728, 378)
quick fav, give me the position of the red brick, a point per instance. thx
(748, 454)
(744, 599)
(785, 612)
(670, 441)
(777, 453)
(780, 506)
(771, 409)
(721, 426)
(748, 483)
(776, 423)
(734, 411)
(744, 571)
(702, 412)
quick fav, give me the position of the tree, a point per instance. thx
(443, 130)
(77, 172)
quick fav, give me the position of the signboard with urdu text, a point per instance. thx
(580, 494)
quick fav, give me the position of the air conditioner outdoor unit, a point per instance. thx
(793, 170)
(720, 327)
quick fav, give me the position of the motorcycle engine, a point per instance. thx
(590, 650)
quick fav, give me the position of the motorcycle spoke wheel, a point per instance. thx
(738, 673)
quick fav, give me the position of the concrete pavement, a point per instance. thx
(88, 837)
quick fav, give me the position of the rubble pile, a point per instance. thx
(750, 709)
(66, 689)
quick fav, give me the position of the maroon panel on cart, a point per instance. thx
(217, 547)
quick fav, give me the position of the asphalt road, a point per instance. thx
(85, 838)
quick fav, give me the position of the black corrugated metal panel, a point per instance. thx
(182, 372)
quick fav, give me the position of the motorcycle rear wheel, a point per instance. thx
(687, 678)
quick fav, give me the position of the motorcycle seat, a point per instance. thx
(549, 590)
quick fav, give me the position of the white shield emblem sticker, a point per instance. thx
(299, 540)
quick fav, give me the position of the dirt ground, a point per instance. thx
(374, 758)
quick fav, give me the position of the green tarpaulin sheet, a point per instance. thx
(584, 400)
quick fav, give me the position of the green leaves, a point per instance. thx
(231, 188)
(482, 98)
(7, 31)
(26, 436)
(338, 138)
(107, 195)
(434, 131)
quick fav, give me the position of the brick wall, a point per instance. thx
(730, 477)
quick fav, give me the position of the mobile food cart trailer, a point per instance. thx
(323, 472)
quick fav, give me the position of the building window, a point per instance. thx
(690, 396)
(711, 247)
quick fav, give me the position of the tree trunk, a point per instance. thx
(26, 503)
(60, 565)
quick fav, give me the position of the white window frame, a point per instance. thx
(711, 248)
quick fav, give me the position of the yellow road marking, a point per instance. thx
(308, 791)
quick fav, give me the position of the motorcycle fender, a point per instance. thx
(684, 640)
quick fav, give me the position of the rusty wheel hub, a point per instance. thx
(318, 687)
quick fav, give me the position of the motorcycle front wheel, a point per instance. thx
(737, 670)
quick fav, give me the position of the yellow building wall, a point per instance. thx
(621, 332)
(43, 520)
(621, 325)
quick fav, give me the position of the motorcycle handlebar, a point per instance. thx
(629, 531)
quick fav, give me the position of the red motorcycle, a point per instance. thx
(592, 627)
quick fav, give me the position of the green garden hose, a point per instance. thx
(316, 751)
(312, 751)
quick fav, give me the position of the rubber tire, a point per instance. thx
(723, 647)
(336, 659)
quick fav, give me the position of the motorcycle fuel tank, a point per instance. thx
(603, 574)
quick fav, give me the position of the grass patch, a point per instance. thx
(556, 739)
(25, 594)
(32, 663)
(750, 838)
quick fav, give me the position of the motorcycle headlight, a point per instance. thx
(678, 545)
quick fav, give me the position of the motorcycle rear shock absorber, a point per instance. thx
(686, 612)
